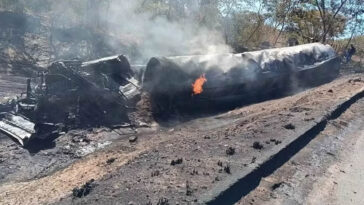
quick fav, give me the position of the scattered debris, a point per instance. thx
(18, 127)
(290, 126)
(276, 186)
(345, 124)
(253, 160)
(273, 195)
(177, 161)
(110, 161)
(330, 91)
(206, 174)
(188, 189)
(219, 163)
(155, 173)
(84, 190)
(227, 169)
(331, 154)
(299, 109)
(163, 201)
(80, 137)
(230, 151)
(257, 145)
(309, 119)
(194, 172)
(356, 80)
(133, 139)
(293, 162)
(276, 142)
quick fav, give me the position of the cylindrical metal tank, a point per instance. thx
(230, 79)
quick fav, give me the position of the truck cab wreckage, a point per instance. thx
(72, 94)
(75, 94)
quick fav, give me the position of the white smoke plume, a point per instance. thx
(157, 36)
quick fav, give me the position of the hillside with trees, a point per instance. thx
(37, 32)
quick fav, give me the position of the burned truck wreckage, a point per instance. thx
(75, 94)
(232, 79)
(72, 94)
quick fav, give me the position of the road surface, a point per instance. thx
(328, 171)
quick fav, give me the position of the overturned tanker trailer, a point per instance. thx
(72, 94)
(191, 83)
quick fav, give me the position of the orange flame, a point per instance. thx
(197, 86)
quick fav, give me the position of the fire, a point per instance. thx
(197, 86)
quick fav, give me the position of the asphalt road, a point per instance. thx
(328, 171)
(344, 182)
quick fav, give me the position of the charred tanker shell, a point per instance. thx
(174, 74)
(231, 79)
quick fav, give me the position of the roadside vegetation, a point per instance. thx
(242, 24)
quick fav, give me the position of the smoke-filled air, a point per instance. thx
(158, 36)
(149, 29)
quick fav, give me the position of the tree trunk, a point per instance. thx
(324, 36)
(279, 34)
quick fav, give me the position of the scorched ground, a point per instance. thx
(185, 163)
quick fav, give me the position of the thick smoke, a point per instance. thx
(44, 31)
(157, 36)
